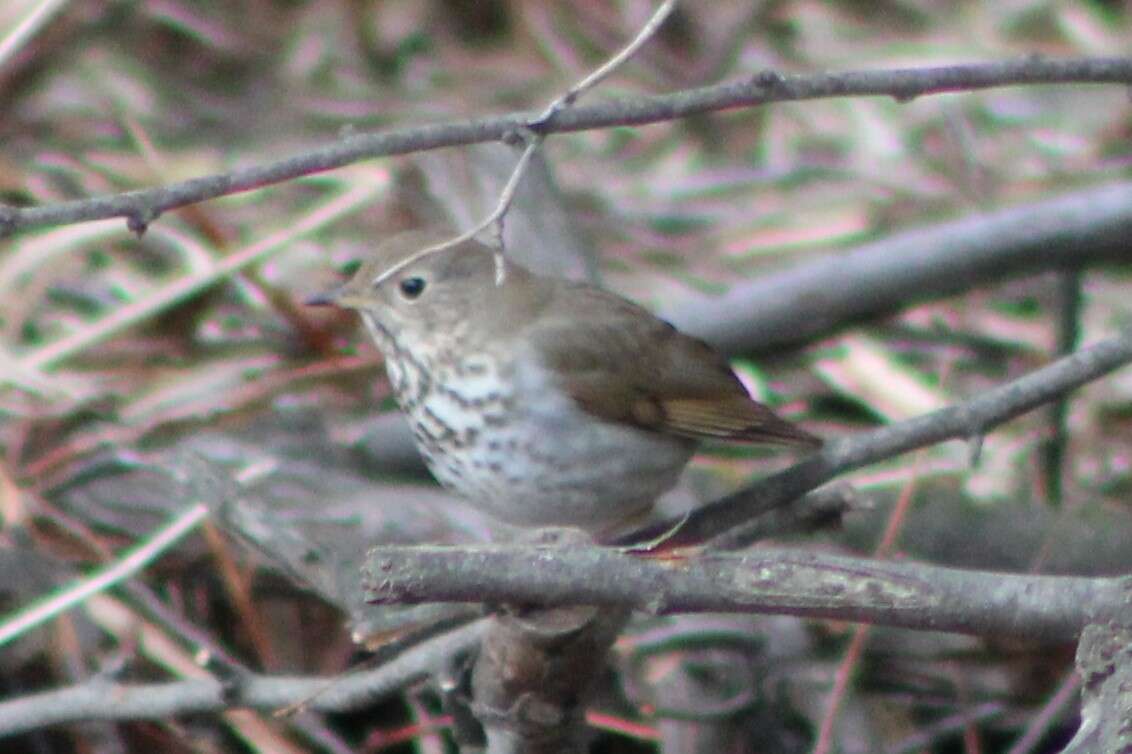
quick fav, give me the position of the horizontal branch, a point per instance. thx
(969, 421)
(143, 206)
(818, 295)
(905, 594)
(107, 700)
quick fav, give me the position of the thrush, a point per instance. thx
(542, 401)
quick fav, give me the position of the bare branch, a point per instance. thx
(819, 295)
(659, 16)
(143, 206)
(106, 700)
(963, 421)
(906, 594)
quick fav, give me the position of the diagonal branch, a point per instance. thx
(820, 294)
(143, 206)
(21, 621)
(964, 421)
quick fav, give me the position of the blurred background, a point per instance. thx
(123, 356)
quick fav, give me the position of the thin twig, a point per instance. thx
(534, 139)
(506, 196)
(100, 699)
(147, 639)
(1066, 694)
(598, 75)
(856, 648)
(1069, 312)
(26, 28)
(924, 738)
(349, 200)
(138, 558)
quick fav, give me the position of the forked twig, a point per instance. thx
(531, 135)
(598, 75)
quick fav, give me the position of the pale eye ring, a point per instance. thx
(412, 287)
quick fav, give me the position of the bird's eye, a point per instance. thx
(412, 287)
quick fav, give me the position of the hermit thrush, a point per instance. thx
(544, 402)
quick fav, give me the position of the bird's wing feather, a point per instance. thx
(622, 364)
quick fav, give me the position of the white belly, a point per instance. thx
(534, 458)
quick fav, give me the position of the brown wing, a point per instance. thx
(622, 364)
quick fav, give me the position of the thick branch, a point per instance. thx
(910, 595)
(1104, 662)
(106, 700)
(533, 676)
(143, 206)
(817, 296)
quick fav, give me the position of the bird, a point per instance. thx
(541, 401)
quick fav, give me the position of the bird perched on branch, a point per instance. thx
(541, 401)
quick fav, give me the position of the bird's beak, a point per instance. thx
(341, 296)
(327, 298)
